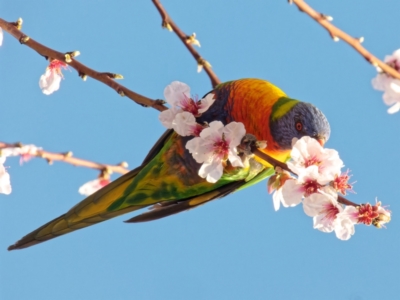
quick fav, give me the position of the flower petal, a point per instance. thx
(394, 109)
(92, 186)
(50, 81)
(206, 102)
(184, 123)
(175, 92)
(344, 227)
(211, 171)
(292, 193)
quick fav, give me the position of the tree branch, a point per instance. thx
(168, 23)
(83, 70)
(336, 33)
(67, 158)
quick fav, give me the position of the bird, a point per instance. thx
(168, 182)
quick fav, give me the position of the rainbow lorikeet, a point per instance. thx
(168, 177)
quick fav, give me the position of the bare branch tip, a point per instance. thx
(83, 76)
(166, 25)
(159, 102)
(201, 62)
(68, 58)
(24, 39)
(335, 38)
(74, 53)
(326, 17)
(123, 164)
(19, 23)
(191, 39)
(68, 154)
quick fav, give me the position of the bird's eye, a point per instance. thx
(299, 126)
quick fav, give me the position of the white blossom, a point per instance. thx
(50, 81)
(388, 84)
(328, 215)
(166, 117)
(307, 152)
(215, 145)
(177, 94)
(391, 97)
(1, 36)
(185, 124)
(344, 226)
(92, 186)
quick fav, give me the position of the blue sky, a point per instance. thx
(234, 248)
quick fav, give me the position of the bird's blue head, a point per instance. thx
(294, 119)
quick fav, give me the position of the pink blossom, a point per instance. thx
(328, 215)
(5, 184)
(215, 146)
(177, 94)
(388, 84)
(391, 97)
(166, 117)
(185, 124)
(294, 190)
(50, 81)
(344, 226)
(307, 152)
(323, 207)
(92, 186)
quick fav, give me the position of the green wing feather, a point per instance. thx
(168, 178)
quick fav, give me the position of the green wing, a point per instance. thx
(167, 179)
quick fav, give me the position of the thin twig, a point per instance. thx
(276, 163)
(105, 77)
(167, 22)
(68, 158)
(336, 33)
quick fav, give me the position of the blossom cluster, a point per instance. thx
(213, 144)
(388, 84)
(319, 180)
(26, 152)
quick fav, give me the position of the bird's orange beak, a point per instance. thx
(321, 141)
